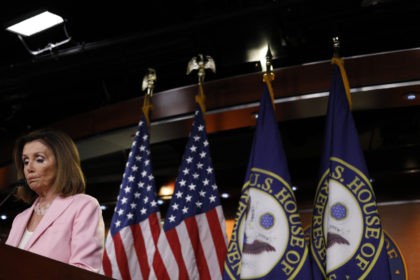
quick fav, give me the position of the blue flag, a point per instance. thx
(267, 241)
(347, 240)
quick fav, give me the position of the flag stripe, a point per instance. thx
(121, 257)
(140, 247)
(128, 243)
(154, 223)
(187, 250)
(164, 262)
(111, 267)
(106, 266)
(194, 235)
(175, 246)
(217, 232)
(210, 252)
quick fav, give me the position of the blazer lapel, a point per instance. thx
(57, 207)
(21, 227)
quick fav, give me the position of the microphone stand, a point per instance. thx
(9, 195)
(15, 185)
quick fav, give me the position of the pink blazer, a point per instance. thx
(72, 231)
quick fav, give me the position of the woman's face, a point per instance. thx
(39, 166)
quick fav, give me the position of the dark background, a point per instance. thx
(113, 45)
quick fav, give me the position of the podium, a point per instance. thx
(20, 264)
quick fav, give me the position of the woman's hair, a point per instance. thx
(69, 178)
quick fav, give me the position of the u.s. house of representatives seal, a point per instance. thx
(346, 228)
(268, 235)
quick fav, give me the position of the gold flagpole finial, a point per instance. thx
(148, 85)
(201, 63)
(269, 62)
(336, 59)
(268, 75)
(336, 46)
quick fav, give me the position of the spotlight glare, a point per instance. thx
(410, 96)
(224, 195)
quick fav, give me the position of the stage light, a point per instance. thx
(39, 22)
(36, 24)
(166, 191)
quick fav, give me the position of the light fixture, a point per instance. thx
(254, 115)
(410, 96)
(38, 22)
(259, 54)
(224, 195)
(166, 191)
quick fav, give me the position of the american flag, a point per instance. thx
(135, 226)
(194, 225)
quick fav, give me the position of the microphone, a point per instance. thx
(13, 186)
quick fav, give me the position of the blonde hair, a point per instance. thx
(69, 179)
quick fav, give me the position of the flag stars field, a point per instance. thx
(134, 168)
(175, 206)
(195, 207)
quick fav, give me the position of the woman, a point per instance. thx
(63, 223)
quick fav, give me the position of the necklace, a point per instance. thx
(41, 210)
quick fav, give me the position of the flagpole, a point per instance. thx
(148, 85)
(336, 59)
(269, 76)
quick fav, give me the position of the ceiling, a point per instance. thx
(113, 45)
